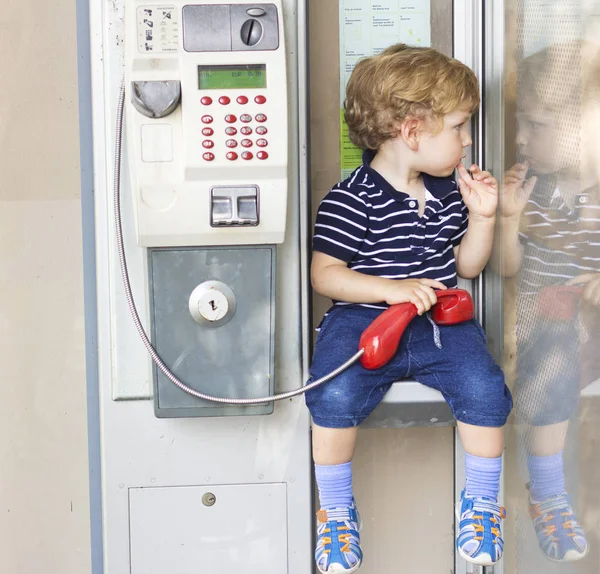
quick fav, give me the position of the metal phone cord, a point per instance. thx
(133, 309)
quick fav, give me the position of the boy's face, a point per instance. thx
(440, 153)
(536, 138)
(548, 142)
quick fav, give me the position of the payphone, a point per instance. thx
(211, 198)
(207, 124)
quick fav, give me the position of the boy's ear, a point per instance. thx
(409, 131)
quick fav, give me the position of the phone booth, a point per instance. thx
(203, 224)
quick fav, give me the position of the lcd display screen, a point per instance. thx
(232, 77)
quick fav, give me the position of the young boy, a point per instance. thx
(549, 222)
(396, 230)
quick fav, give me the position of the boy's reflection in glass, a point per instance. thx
(549, 222)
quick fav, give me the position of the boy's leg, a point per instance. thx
(560, 536)
(333, 449)
(458, 364)
(547, 396)
(337, 408)
(333, 445)
(338, 544)
(545, 446)
(478, 511)
(484, 447)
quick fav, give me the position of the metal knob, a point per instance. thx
(252, 31)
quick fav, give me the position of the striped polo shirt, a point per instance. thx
(377, 229)
(560, 242)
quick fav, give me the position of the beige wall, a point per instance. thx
(397, 472)
(44, 508)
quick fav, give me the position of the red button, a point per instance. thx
(261, 130)
(262, 155)
(224, 100)
(247, 155)
(246, 130)
(261, 118)
(261, 142)
(206, 101)
(209, 156)
(246, 118)
(242, 100)
(231, 131)
(208, 144)
(260, 99)
(246, 143)
(231, 155)
(231, 143)
(207, 131)
(230, 118)
(207, 119)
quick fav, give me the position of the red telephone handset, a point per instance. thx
(381, 338)
(559, 302)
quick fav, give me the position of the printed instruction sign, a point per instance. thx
(367, 27)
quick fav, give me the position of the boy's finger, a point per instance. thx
(581, 279)
(590, 292)
(418, 303)
(529, 185)
(433, 283)
(463, 172)
(513, 174)
(429, 294)
(465, 190)
(596, 295)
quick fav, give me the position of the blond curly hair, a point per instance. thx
(405, 81)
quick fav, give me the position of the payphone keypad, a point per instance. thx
(253, 129)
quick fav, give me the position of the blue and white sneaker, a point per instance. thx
(479, 538)
(561, 537)
(338, 541)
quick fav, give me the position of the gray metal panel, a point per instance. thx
(244, 530)
(269, 22)
(234, 360)
(206, 28)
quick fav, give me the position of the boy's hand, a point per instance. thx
(479, 191)
(419, 292)
(591, 291)
(515, 190)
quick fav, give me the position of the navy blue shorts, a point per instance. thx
(462, 370)
(548, 373)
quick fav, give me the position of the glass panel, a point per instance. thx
(548, 254)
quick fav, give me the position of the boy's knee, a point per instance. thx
(541, 409)
(332, 405)
(485, 403)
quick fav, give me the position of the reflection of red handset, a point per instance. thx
(559, 302)
(381, 338)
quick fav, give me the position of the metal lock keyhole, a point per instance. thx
(209, 499)
(212, 304)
